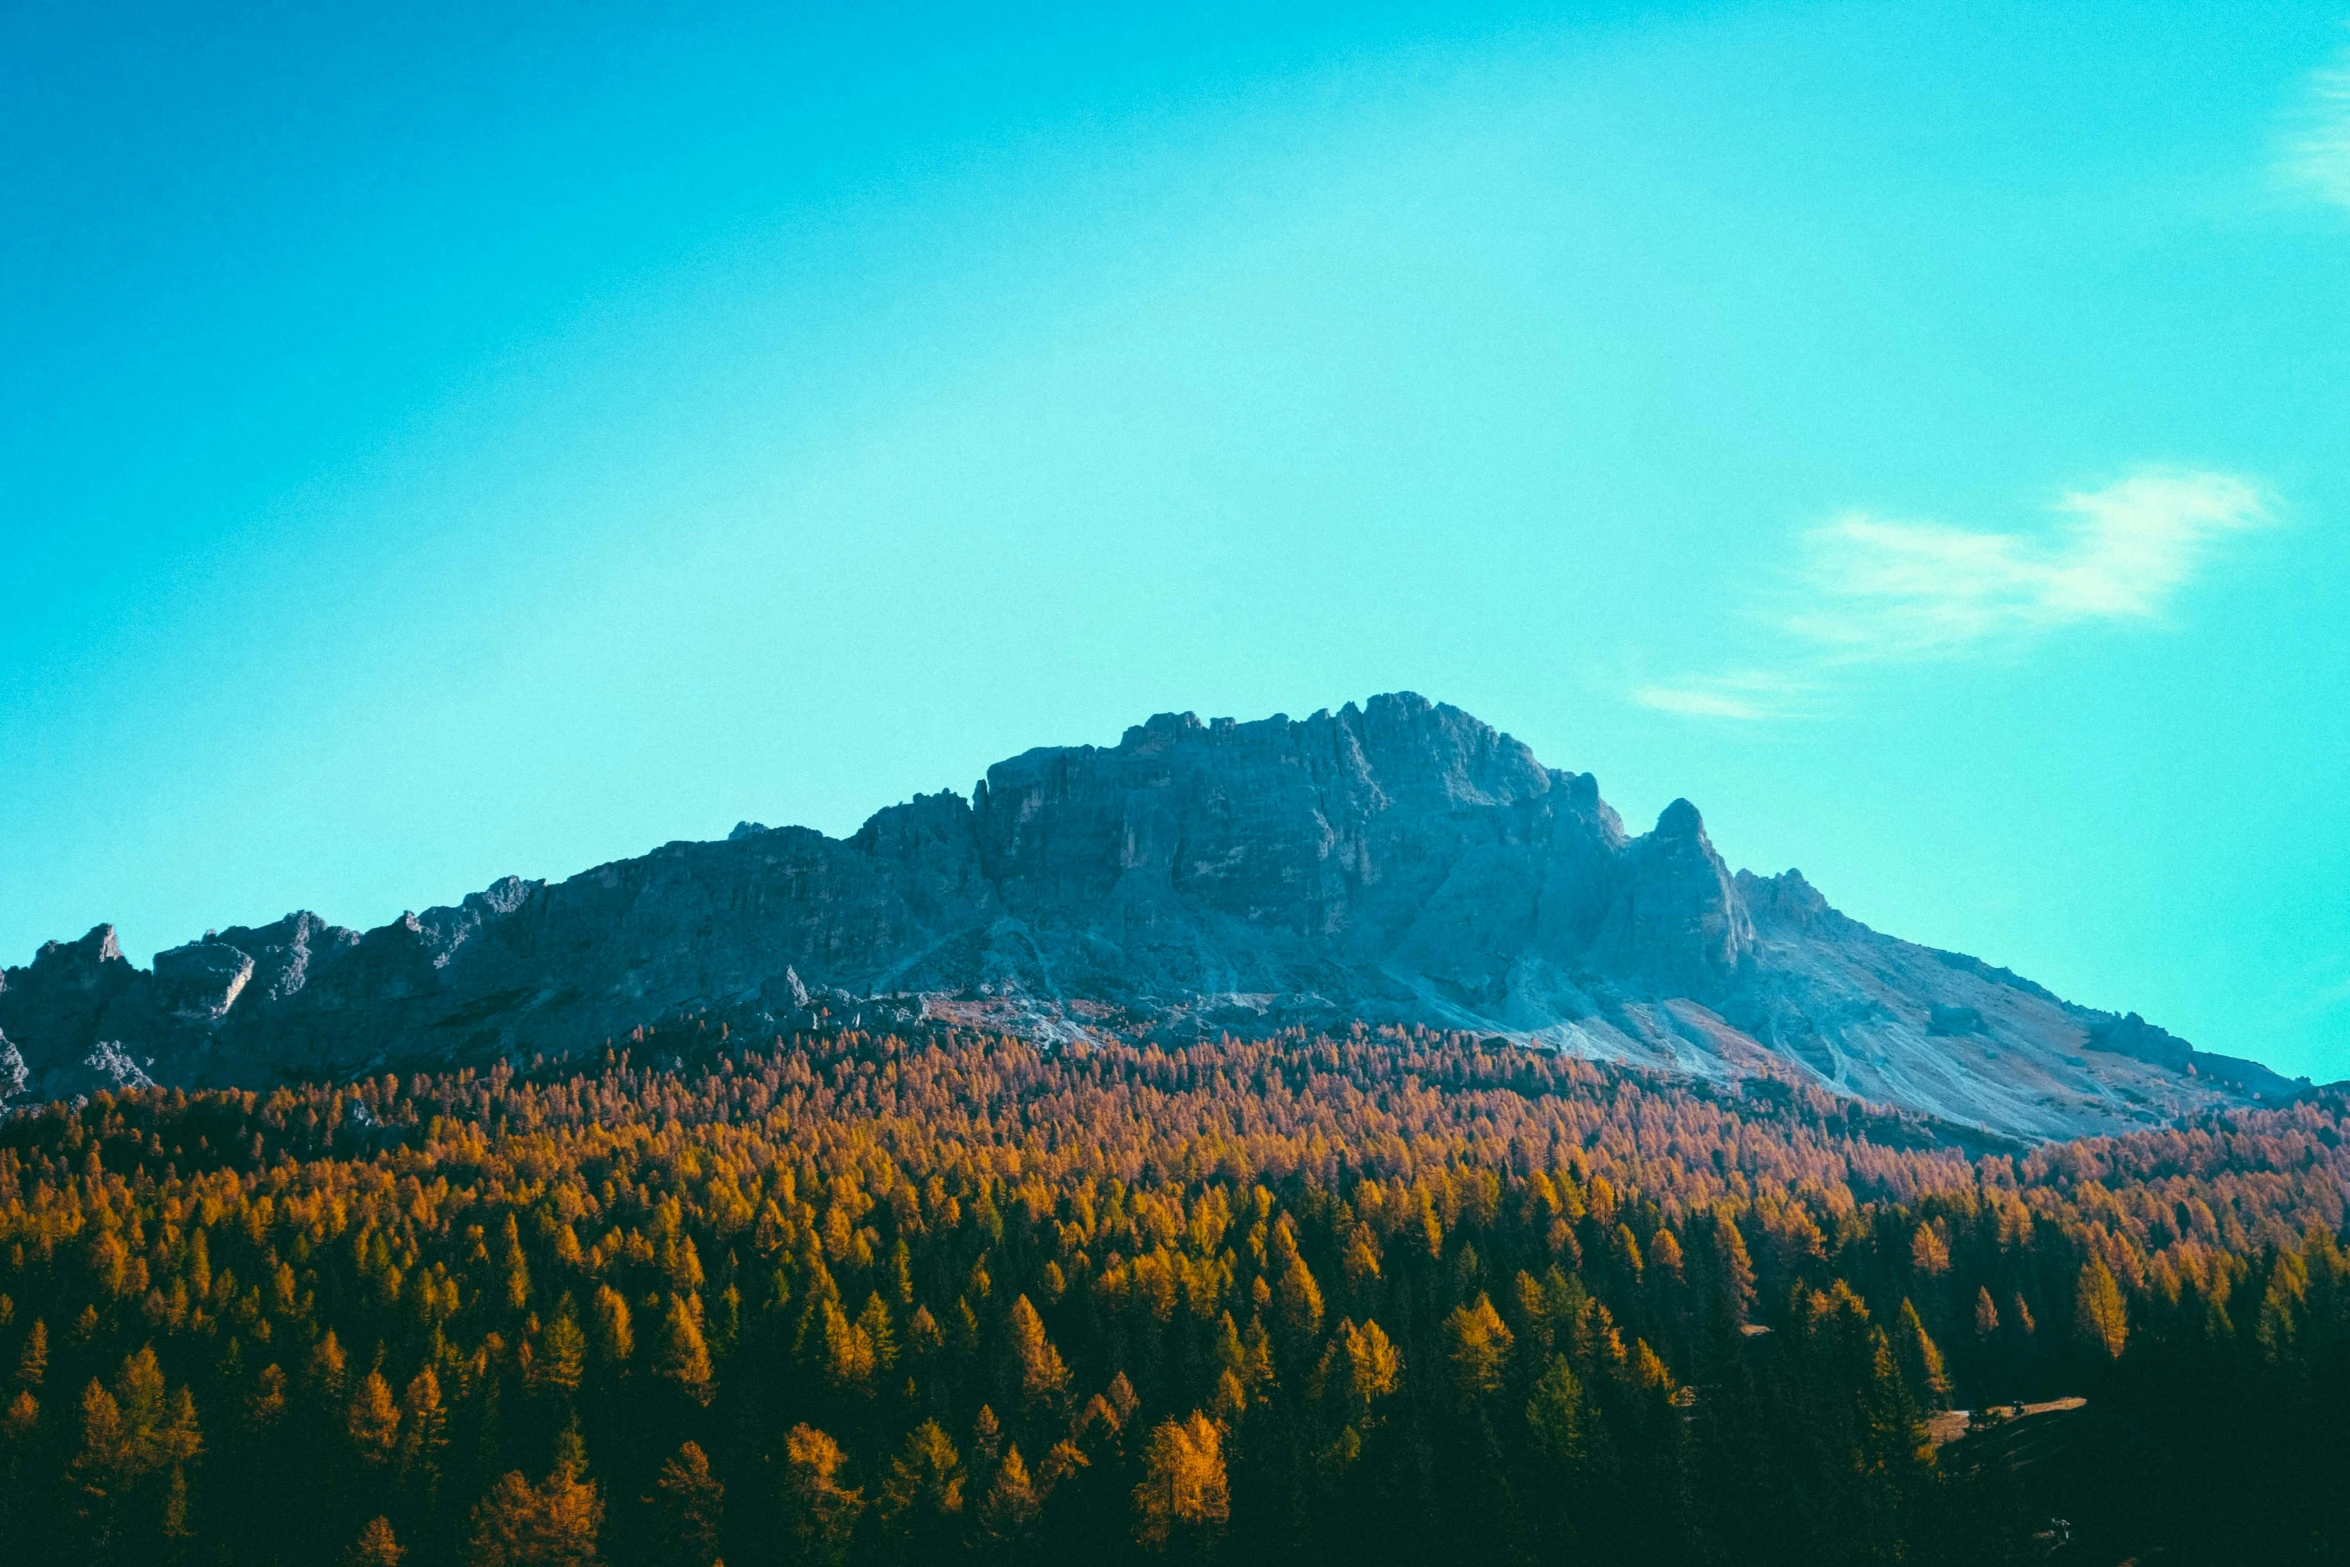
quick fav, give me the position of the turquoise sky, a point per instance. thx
(443, 443)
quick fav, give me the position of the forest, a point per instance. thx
(1383, 1296)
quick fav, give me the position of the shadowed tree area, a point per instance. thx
(1391, 1297)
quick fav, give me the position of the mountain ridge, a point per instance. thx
(1397, 861)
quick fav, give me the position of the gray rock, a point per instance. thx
(1396, 862)
(15, 1076)
(111, 1067)
(199, 982)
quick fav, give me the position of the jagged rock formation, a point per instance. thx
(1394, 862)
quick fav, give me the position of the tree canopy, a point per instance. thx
(1383, 1296)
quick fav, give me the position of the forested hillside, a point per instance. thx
(1391, 1296)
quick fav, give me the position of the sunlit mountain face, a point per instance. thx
(1398, 862)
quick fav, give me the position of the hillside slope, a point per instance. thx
(1396, 862)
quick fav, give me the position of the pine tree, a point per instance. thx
(1732, 1274)
(1558, 1417)
(1478, 1347)
(375, 1547)
(1374, 1368)
(684, 1358)
(1921, 1361)
(559, 1356)
(178, 1443)
(423, 1428)
(265, 1405)
(1011, 1503)
(1300, 1299)
(553, 1524)
(822, 1512)
(615, 1338)
(2097, 1301)
(32, 1363)
(1894, 1435)
(1185, 1492)
(324, 1371)
(1043, 1376)
(692, 1499)
(1929, 1252)
(987, 1440)
(175, 1507)
(880, 1338)
(849, 1358)
(101, 1470)
(506, 1525)
(1360, 1263)
(922, 1499)
(374, 1420)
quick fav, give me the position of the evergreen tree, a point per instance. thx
(1185, 1494)
(822, 1512)
(1043, 1377)
(921, 1502)
(32, 1361)
(1478, 1347)
(692, 1501)
(684, 1357)
(1921, 1361)
(376, 1546)
(374, 1420)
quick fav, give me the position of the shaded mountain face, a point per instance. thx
(1396, 862)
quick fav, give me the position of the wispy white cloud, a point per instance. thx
(1747, 695)
(1876, 590)
(1879, 588)
(2315, 156)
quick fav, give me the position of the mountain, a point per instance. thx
(1396, 862)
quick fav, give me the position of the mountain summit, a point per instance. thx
(1394, 862)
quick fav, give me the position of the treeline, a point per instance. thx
(1388, 1297)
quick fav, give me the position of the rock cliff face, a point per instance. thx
(1394, 862)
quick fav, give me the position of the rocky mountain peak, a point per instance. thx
(1396, 861)
(1680, 820)
(81, 963)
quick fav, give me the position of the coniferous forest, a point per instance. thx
(1386, 1297)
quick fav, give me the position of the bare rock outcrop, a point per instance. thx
(1394, 862)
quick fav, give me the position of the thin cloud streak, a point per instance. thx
(1748, 697)
(2316, 156)
(1887, 590)
(1879, 590)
